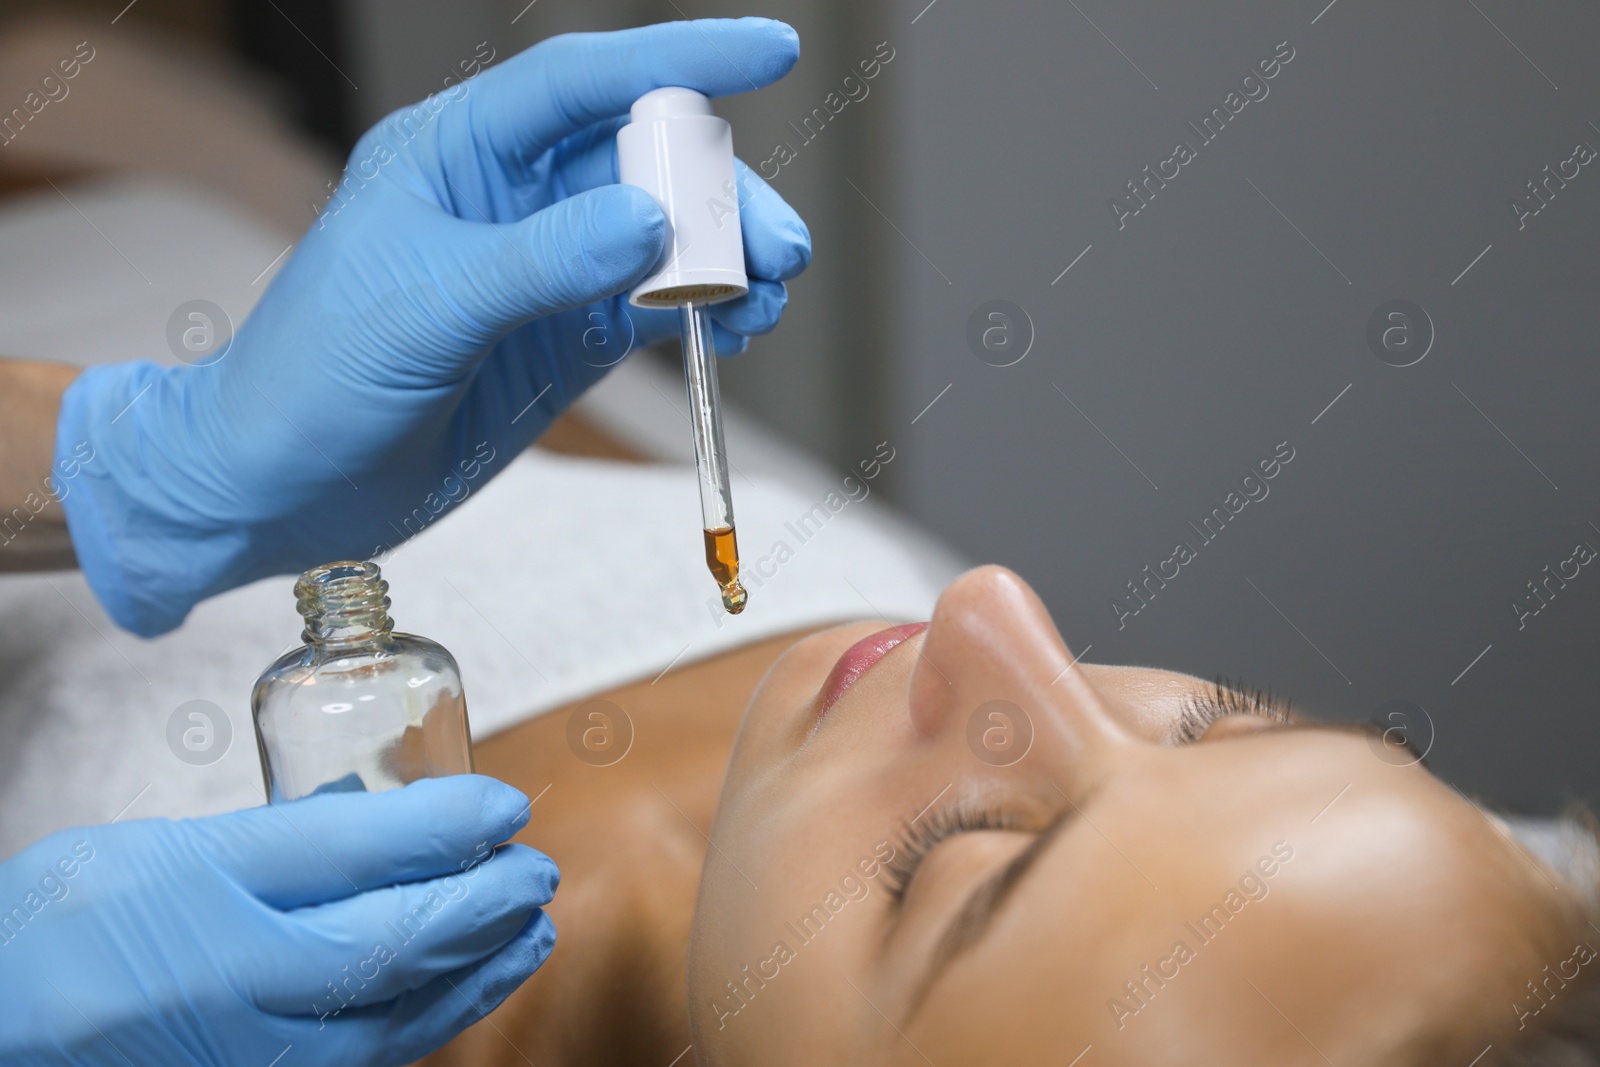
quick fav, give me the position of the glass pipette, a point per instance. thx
(678, 150)
(710, 455)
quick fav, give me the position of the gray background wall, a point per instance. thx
(1220, 321)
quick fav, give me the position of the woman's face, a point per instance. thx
(975, 851)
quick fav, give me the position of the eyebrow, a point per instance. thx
(984, 903)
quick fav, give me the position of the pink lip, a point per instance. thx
(860, 657)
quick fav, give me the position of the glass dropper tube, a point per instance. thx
(710, 455)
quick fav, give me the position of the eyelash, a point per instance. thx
(919, 839)
(1226, 698)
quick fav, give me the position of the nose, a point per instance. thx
(990, 650)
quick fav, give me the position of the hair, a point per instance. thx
(1566, 1031)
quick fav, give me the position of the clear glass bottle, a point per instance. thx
(358, 708)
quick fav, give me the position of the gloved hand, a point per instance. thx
(227, 940)
(459, 291)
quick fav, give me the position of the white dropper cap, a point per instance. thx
(677, 150)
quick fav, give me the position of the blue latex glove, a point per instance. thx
(228, 940)
(458, 292)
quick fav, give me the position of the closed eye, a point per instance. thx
(983, 903)
(921, 836)
(1202, 709)
(1226, 698)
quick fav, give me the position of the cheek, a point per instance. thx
(783, 892)
(1041, 998)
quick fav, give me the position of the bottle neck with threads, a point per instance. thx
(345, 605)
